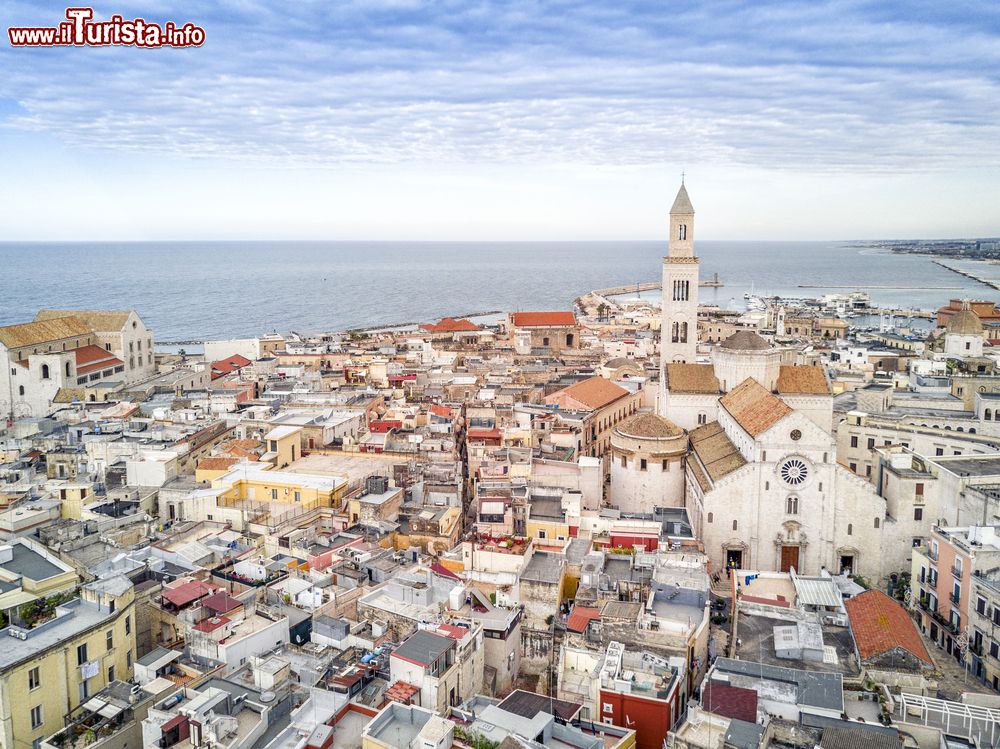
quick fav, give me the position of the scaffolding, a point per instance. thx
(953, 718)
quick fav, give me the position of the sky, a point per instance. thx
(399, 119)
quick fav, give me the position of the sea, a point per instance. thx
(189, 291)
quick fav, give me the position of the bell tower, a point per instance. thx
(679, 327)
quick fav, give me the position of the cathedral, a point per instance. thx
(761, 482)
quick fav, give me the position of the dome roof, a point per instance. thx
(745, 340)
(965, 322)
(650, 426)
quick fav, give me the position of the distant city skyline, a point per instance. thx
(401, 120)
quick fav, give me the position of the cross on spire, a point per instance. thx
(682, 177)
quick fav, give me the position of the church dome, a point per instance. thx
(965, 322)
(650, 426)
(745, 340)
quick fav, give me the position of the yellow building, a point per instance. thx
(55, 659)
(73, 496)
(29, 572)
(252, 482)
(283, 446)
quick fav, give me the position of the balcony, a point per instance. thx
(956, 599)
(931, 554)
(957, 572)
(977, 648)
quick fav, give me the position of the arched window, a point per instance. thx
(711, 517)
(45, 371)
(736, 524)
(67, 369)
(989, 415)
(674, 332)
(684, 332)
(850, 529)
(876, 522)
(792, 506)
(682, 231)
(20, 390)
(702, 418)
(972, 430)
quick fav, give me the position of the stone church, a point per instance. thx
(761, 482)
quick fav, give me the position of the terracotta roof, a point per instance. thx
(444, 411)
(651, 426)
(692, 378)
(542, 319)
(450, 325)
(965, 322)
(217, 463)
(211, 624)
(753, 407)
(93, 358)
(187, 592)
(880, 624)
(593, 393)
(401, 692)
(804, 379)
(42, 331)
(231, 364)
(581, 617)
(221, 602)
(732, 702)
(715, 451)
(100, 320)
(745, 340)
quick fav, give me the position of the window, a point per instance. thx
(736, 524)
(711, 517)
(702, 419)
(67, 369)
(918, 513)
(608, 707)
(274, 494)
(541, 534)
(871, 442)
(666, 465)
(109, 639)
(111, 674)
(994, 648)
(796, 435)
(642, 464)
(682, 232)
(34, 679)
(81, 654)
(794, 471)
(45, 371)
(939, 451)
(36, 716)
(958, 566)
(128, 625)
(854, 467)
(128, 658)
(20, 389)
(918, 489)
(877, 521)
(850, 529)
(981, 605)
(545, 341)
(792, 506)
(624, 462)
(298, 496)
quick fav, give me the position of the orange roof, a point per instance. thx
(880, 625)
(217, 463)
(692, 378)
(450, 325)
(593, 393)
(92, 358)
(753, 407)
(441, 411)
(401, 692)
(804, 379)
(542, 319)
(580, 617)
(230, 364)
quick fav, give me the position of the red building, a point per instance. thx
(640, 691)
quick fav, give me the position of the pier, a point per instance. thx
(649, 286)
(984, 281)
(878, 286)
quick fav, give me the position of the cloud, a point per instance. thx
(817, 87)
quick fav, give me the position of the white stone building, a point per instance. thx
(647, 464)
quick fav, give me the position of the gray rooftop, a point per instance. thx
(812, 689)
(543, 568)
(28, 563)
(424, 647)
(72, 618)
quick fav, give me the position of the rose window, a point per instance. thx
(794, 471)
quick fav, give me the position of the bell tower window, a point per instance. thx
(682, 232)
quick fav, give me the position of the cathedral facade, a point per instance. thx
(762, 485)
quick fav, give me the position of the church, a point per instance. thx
(761, 482)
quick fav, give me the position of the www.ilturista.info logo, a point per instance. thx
(81, 30)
